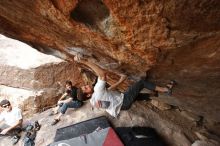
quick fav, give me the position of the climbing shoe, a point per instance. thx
(15, 139)
(55, 121)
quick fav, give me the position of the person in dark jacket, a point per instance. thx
(68, 100)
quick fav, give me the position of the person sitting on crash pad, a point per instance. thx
(110, 99)
(68, 100)
(12, 118)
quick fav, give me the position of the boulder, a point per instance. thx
(22, 98)
(22, 66)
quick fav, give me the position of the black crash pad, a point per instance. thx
(139, 136)
(81, 128)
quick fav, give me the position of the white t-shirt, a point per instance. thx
(10, 118)
(102, 94)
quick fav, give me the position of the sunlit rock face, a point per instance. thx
(178, 39)
(30, 79)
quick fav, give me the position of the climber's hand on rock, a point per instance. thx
(78, 57)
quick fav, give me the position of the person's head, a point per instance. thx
(6, 105)
(87, 90)
(68, 85)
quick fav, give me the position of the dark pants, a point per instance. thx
(12, 132)
(133, 91)
(72, 104)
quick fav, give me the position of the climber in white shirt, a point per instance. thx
(110, 99)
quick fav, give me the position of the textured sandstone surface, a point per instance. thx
(131, 33)
(24, 67)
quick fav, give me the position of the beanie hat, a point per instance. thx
(4, 101)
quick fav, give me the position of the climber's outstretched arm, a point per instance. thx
(114, 86)
(100, 72)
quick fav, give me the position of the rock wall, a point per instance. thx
(178, 39)
(196, 69)
(131, 33)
